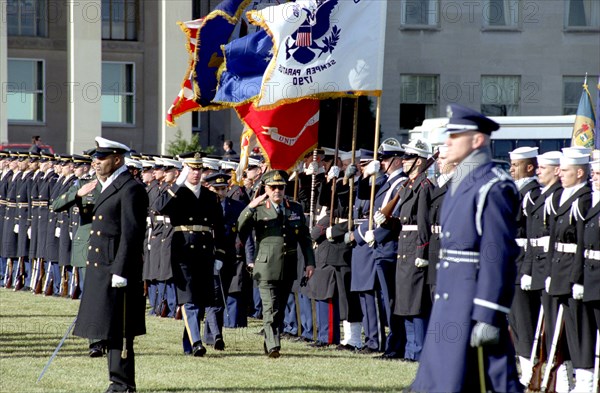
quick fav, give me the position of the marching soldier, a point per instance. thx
(525, 306)
(475, 282)
(279, 226)
(197, 246)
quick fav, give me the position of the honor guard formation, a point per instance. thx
(421, 252)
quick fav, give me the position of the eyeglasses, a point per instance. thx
(277, 187)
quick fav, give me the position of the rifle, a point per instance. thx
(49, 282)
(64, 282)
(535, 384)
(9, 274)
(555, 359)
(37, 288)
(20, 275)
(75, 291)
(34, 273)
(388, 209)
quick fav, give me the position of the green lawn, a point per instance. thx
(31, 327)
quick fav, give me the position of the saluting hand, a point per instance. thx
(87, 188)
(257, 201)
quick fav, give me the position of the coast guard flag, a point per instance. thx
(583, 129)
(597, 130)
(284, 134)
(323, 49)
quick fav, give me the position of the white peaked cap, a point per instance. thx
(131, 163)
(210, 163)
(523, 153)
(419, 147)
(171, 163)
(550, 158)
(103, 143)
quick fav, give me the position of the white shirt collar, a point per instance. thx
(194, 188)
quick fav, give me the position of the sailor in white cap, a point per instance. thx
(526, 304)
(113, 305)
(565, 276)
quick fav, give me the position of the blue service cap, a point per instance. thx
(365, 155)
(462, 119)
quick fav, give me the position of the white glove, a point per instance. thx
(347, 237)
(183, 175)
(577, 291)
(379, 217)
(370, 238)
(16, 228)
(484, 334)
(312, 169)
(300, 167)
(547, 283)
(29, 233)
(350, 171)
(372, 168)
(57, 232)
(334, 172)
(526, 282)
(218, 265)
(118, 281)
(420, 262)
(328, 234)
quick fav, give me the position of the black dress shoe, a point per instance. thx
(367, 351)
(346, 347)
(219, 344)
(97, 350)
(409, 360)
(318, 344)
(199, 350)
(302, 339)
(274, 353)
(388, 356)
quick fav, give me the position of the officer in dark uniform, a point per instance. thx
(6, 161)
(9, 236)
(526, 304)
(48, 243)
(63, 228)
(279, 226)
(113, 305)
(475, 282)
(565, 275)
(197, 246)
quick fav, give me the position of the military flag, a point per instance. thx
(597, 130)
(323, 49)
(583, 129)
(284, 134)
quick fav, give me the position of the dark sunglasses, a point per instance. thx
(277, 187)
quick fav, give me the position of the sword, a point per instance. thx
(223, 294)
(596, 363)
(60, 344)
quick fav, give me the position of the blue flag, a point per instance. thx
(583, 129)
(216, 30)
(246, 60)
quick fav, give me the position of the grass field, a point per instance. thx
(31, 327)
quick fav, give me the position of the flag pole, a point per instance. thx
(374, 176)
(335, 157)
(351, 190)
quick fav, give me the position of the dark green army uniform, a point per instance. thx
(278, 235)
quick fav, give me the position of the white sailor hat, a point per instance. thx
(106, 147)
(417, 147)
(170, 163)
(576, 150)
(595, 165)
(575, 159)
(550, 158)
(131, 163)
(523, 153)
(210, 163)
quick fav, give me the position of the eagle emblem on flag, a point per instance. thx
(315, 36)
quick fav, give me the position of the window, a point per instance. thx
(501, 13)
(500, 95)
(25, 90)
(582, 13)
(418, 99)
(119, 19)
(420, 13)
(118, 93)
(26, 17)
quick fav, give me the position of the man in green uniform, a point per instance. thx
(279, 227)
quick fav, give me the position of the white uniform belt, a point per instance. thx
(436, 229)
(192, 228)
(410, 228)
(540, 242)
(522, 242)
(159, 218)
(568, 248)
(459, 256)
(592, 254)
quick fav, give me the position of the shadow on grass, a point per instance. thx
(303, 388)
